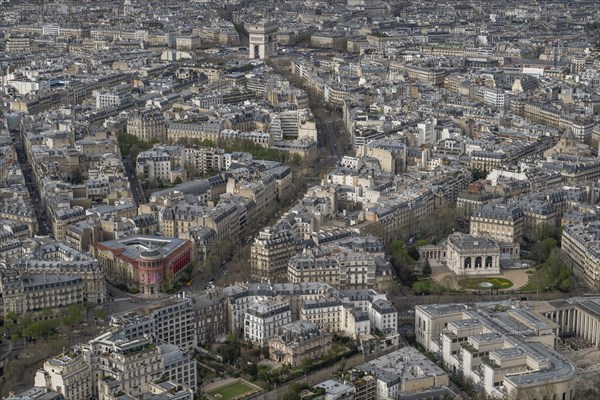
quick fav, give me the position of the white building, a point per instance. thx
(67, 374)
(504, 348)
(495, 97)
(154, 165)
(426, 132)
(263, 317)
(407, 372)
(106, 99)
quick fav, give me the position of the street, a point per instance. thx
(32, 189)
(134, 183)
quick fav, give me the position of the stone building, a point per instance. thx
(501, 222)
(472, 255)
(299, 341)
(507, 349)
(270, 253)
(264, 317)
(148, 124)
(580, 245)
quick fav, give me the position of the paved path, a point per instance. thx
(442, 275)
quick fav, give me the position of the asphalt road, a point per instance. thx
(134, 183)
(121, 302)
(34, 195)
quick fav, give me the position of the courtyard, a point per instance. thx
(231, 389)
(510, 279)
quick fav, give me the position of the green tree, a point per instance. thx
(542, 249)
(264, 375)
(296, 160)
(421, 287)
(290, 395)
(252, 370)
(413, 252)
(427, 268)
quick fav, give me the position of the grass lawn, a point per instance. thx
(430, 286)
(232, 391)
(475, 283)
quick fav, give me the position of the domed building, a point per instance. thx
(568, 145)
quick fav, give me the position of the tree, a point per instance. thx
(296, 160)
(421, 288)
(478, 174)
(252, 370)
(291, 395)
(427, 268)
(542, 249)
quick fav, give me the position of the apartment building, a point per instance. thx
(239, 297)
(580, 246)
(191, 42)
(123, 365)
(179, 366)
(115, 98)
(270, 253)
(433, 76)
(207, 160)
(327, 313)
(210, 310)
(340, 267)
(169, 321)
(147, 124)
(399, 216)
(161, 163)
(263, 192)
(111, 366)
(81, 235)
(25, 293)
(55, 276)
(501, 222)
(67, 374)
(17, 210)
(61, 219)
(208, 130)
(263, 318)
